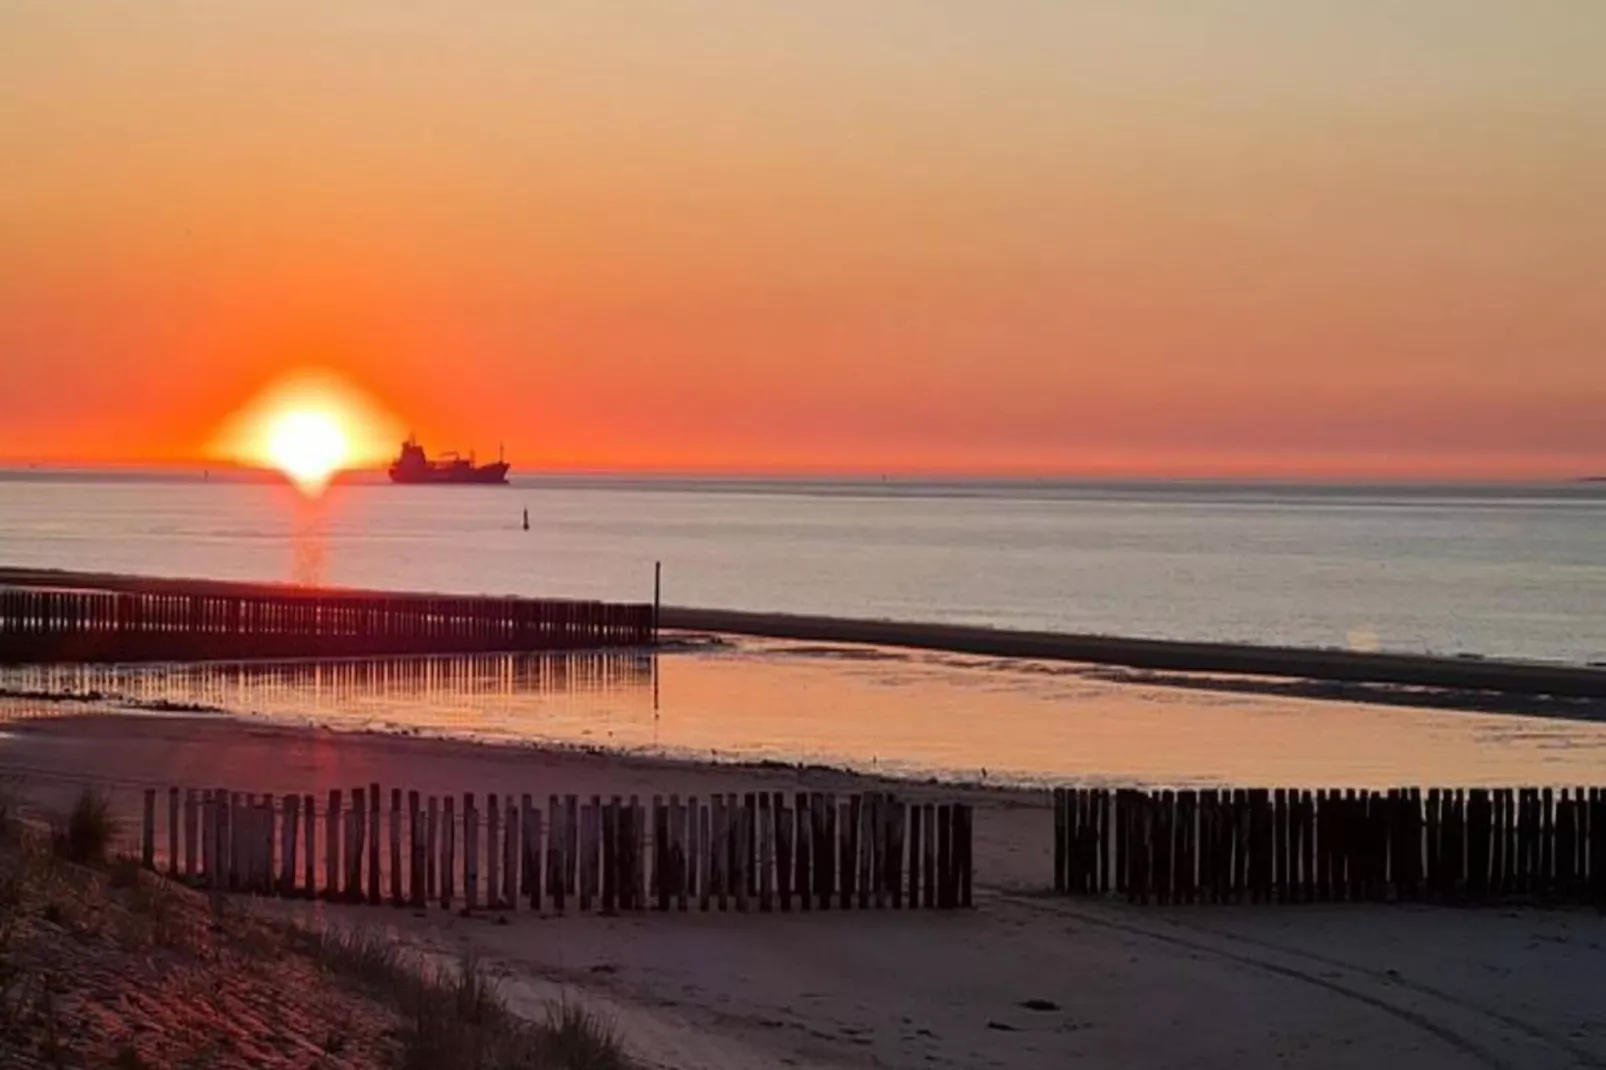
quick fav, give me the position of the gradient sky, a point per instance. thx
(1032, 236)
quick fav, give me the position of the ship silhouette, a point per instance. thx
(415, 466)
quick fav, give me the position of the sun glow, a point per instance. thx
(311, 426)
(309, 447)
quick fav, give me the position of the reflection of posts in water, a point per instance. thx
(232, 685)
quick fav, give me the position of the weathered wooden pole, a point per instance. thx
(395, 848)
(331, 846)
(373, 844)
(291, 831)
(189, 833)
(309, 808)
(172, 833)
(147, 846)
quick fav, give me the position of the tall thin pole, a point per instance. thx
(657, 596)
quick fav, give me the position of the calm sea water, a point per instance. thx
(1495, 571)
(904, 713)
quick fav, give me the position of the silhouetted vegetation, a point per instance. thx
(89, 831)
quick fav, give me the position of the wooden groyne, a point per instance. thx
(1338, 666)
(1300, 846)
(747, 852)
(167, 620)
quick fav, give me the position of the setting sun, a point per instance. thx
(309, 425)
(309, 447)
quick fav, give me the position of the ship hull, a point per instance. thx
(489, 474)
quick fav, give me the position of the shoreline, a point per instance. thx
(1467, 673)
(1463, 673)
(1025, 981)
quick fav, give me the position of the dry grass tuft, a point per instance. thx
(454, 1020)
(90, 830)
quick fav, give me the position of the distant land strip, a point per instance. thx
(1346, 666)
(1411, 670)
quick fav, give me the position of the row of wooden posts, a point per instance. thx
(755, 851)
(53, 624)
(1286, 845)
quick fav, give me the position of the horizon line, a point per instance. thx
(858, 475)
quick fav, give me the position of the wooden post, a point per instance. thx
(766, 855)
(417, 895)
(857, 849)
(493, 854)
(528, 859)
(373, 844)
(331, 847)
(557, 845)
(802, 838)
(432, 824)
(356, 833)
(291, 832)
(743, 843)
(471, 854)
(309, 863)
(1547, 841)
(880, 830)
(610, 855)
(682, 849)
(962, 813)
(556, 840)
(448, 851)
(828, 852)
(147, 844)
(571, 844)
(208, 839)
(896, 824)
(591, 875)
(660, 853)
(242, 839)
(630, 835)
(235, 828)
(657, 596)
(928, 867)
(395, 847)
(189, 834)
(1058, 799)
(638, 858)
(532, 853)
(915, 812)
(782, 816)
(704, 853)
(718, 854)
(264, 842)
(510, 858)
(172, 832)
(945, 830)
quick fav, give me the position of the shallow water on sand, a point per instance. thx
(898, 712)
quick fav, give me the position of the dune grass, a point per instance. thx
(453, 1017)
(90, 829)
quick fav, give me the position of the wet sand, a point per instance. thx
(1329, 986)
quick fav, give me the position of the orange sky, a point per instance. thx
(1029, 236)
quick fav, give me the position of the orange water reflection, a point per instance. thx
(899, 712)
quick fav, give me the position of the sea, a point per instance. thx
(1513, 571)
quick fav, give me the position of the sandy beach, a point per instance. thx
(1025, 980)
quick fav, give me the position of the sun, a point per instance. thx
(310, 425)
(308, 446)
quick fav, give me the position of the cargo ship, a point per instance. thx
(415, 466)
